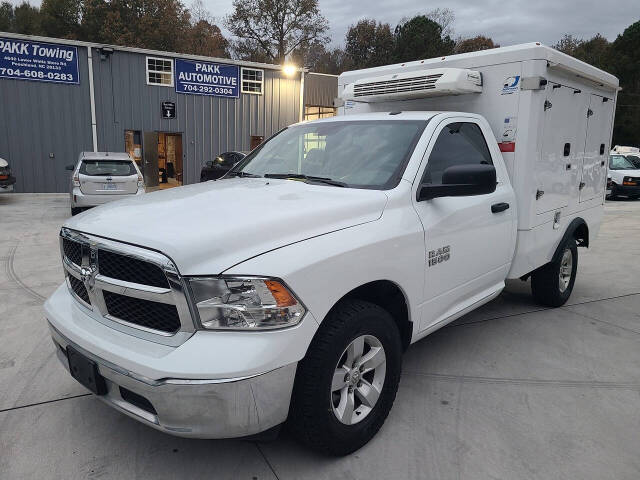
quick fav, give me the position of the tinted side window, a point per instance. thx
(459, 143)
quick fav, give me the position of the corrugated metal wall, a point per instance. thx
(320, 90)
(209, 125)
(39, 119)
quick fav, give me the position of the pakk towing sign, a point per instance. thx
(38, 61)
(206, 78)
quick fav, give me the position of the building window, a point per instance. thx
(314, 113)
(159, 71)
(252, 80)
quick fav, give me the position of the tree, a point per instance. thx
(474, 44)
(369, 44)
(61, 18)
(206, 39)
(275, 28)
(321, 60)
(27, 20)
(568, 44)
(6, 17)
(625, 56)
(421, 37)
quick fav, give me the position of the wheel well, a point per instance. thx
(389, 296)
(581, 235)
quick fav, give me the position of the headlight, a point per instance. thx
(244, 303)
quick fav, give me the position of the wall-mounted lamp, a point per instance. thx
(105, 52)
(289, 70)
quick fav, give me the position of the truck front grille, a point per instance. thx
(72, 250)
(131, 269)
(153, 315)
(128, 286)
(79, 289)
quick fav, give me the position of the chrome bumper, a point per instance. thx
(225, 408)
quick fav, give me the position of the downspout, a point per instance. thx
(301, 95)
(92, 97)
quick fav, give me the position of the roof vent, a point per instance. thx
(416, 84)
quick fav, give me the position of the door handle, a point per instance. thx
(499, 207)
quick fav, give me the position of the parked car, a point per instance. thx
(289, 290)
(7, 180)
(216, 168)
(624, 176)
(101, 177)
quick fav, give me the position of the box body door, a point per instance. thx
(558, 165)
(596, 149)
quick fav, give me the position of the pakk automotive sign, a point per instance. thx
(206, 78)
(38, 61)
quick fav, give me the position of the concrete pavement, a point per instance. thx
(510, 391)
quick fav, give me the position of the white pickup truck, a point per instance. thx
(288, 290)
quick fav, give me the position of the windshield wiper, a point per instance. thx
(309, 178)
(240, 173)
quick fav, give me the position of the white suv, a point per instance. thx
(101, 177)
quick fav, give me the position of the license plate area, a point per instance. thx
(86, 372)
(109, 186)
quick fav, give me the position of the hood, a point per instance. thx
(208, 227)
(624, 173)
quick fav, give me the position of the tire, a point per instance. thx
(75, 210)
(546, 285)
(315, 408)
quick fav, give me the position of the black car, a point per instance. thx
(214, 169)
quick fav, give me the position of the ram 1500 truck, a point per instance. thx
(289, 289)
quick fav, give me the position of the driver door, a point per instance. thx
(469, 240)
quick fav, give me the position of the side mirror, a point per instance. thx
(71, 168)
(461, 181)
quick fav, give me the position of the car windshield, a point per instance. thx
(358, 154)
(620, 162)
(107, 168)
(635, 159)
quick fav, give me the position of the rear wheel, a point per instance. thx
(346, 384)
(552, 284)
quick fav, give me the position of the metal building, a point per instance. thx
(171, 112)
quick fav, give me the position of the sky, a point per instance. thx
(508, 22)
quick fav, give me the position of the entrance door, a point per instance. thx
(150, 170)
(468, 243)
(596, 148)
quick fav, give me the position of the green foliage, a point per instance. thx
(60, 18)
(369, 44)
(6, 16)
(419, 38)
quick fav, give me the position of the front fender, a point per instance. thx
(323, 269)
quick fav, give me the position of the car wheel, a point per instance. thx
(75, 210)
(346, 384)
(552, 284)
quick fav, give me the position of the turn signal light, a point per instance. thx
(280, 294)
(4, 177)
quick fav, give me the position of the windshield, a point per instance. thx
(358, 154)
(635, 159)
(107, 168)
(620, 162)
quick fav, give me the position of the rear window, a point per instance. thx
(108, 168)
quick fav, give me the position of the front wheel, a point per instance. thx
(552, 284)
(346, 384)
